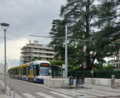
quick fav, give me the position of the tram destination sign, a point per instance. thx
(44, 64)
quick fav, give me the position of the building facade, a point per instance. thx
(35, 50)
(1, 68)
(117, 62)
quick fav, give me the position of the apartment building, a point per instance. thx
(34, 50)
(1, 68)
(117, 61)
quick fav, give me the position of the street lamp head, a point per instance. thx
(4, 26)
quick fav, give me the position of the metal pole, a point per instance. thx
(92, 75)
(10, 88)
(13, 91)
(92, 78)
(66, 64)
(5, 56)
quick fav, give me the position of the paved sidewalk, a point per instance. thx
(2, 93)
(95, 91)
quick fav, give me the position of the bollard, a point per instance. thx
(76, 83)
(13, 91)
(10, 89)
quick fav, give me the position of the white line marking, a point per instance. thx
(62, 95)
(28, 95)
(44, 95)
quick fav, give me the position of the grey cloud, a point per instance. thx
(28, 17)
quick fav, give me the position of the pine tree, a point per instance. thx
(108, 35)
(93, 28)
(80, 14)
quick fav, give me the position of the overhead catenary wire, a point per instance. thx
(60, 38)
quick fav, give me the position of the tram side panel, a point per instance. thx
(19, 76)
(30, 78)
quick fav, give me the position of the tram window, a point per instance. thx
(15, 71)
(28, 69)
(44, 72)
(24, 70)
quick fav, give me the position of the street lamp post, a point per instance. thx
(5, 26)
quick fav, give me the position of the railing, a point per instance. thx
(43, 51)
(96, 74)
(46, 47)
(27, 50)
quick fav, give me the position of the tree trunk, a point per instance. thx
(88, 64)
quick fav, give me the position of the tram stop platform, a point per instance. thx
(92, 91)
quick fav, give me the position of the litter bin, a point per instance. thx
(71, 80)
(113, 81)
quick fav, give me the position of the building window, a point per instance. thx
(40, 53)
(29, 58)
(40, 49)
(49, 54)
(29, 49)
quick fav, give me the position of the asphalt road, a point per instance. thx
(28, 90)
(36, 90)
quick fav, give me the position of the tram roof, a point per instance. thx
(40, 61)
(16, 67)
(25, 65)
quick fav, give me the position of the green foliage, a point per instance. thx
(93, 31)
(59, 63)
(33, 59)
(39, 58)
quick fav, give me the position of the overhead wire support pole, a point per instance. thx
(66, 63)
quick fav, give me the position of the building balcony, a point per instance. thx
(37, 51)
(25, 60)
(43, 56)
(35, 46)
(37, 55)
(27, 55)
(44, 52)
(27, 50)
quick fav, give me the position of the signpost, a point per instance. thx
(92, 75)
(63, 71)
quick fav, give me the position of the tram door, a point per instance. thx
(26, 73)
(34, 73)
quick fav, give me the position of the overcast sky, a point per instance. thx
(26, 17)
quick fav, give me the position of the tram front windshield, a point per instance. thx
(44, 71)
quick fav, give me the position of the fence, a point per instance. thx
(103, 74)
(88, 74)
